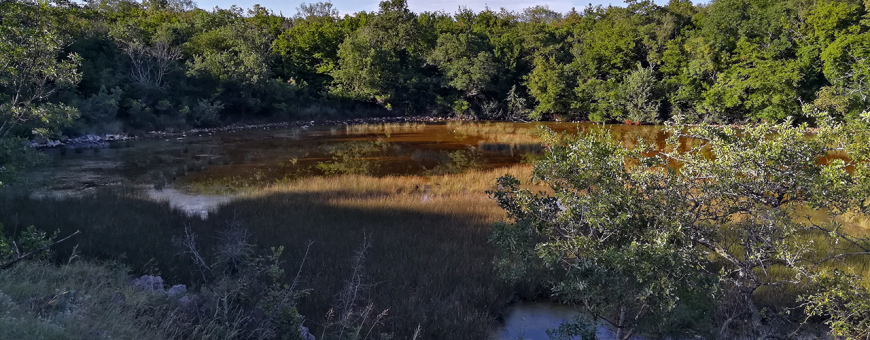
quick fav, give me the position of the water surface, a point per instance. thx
(530, 321)
(222, 163)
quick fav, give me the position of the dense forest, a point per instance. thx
(161, 64)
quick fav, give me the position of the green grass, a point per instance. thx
(79, 301)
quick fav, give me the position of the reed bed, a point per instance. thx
(504, 133)
(384, 128)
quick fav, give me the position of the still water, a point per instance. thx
(222, 163)
(530, 321)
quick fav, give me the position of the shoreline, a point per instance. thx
(92, 141)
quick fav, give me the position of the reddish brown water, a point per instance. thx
(249, 158)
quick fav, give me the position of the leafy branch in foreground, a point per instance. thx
(30, 244)
(32, 71)
(650, 239)
(243, 296)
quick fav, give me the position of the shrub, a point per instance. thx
(204, 113)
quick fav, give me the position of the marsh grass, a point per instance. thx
(353, 158)
(504, 133)
(429, 264)
(386, 128)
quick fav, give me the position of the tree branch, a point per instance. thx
(25, 256)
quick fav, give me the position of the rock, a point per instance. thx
(149, 283)
(305, 334)
(177, 290)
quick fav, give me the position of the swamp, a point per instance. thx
(416, 192)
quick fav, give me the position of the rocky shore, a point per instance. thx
(81, 142)
(102, 141)
(298, 124)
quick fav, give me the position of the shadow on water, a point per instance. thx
(428, 269)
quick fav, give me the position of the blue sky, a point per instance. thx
(288, 7)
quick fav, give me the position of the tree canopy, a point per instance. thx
(726, 61)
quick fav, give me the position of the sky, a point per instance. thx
(288, 7)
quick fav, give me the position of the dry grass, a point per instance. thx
(503, 133)
(820, 246)
(472, 182)
(385, 128)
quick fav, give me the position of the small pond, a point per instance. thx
(222, 163)
(530, 321)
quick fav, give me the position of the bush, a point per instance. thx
(15, 158)
(102, 106)
(204, 114)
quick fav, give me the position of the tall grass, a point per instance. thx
(384, 128)
(429, 263)
(80, 301)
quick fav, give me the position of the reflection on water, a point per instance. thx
(193, 205)
(530, 321)
(222, 163)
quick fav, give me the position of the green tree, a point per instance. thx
(308, 51)
(628, 231)
(33, 69)
(381, 62)
(234, 59)
(465, 61)
(757, 85)
(550, 83)
(847, 67)
(845, 306)
(605, 246)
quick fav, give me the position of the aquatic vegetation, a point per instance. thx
(458, 161)
(384, 128)
(507, 133)
(353, 158)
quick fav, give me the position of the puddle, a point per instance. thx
(530, 321)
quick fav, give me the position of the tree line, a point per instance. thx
(157, 64)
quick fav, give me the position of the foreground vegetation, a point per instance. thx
(719, 240)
